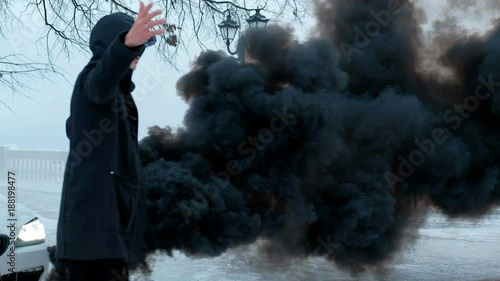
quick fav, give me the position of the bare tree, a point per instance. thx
(16, 68)
(64, 26)
(69, 22)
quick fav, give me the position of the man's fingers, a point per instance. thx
(157, 32)
(154, 23)
(153, 14)
(146, 10)
(144, 22)
(141, 9)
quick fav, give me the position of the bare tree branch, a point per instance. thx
(64, 26)
(69, 22)
(15, 69)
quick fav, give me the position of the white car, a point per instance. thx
(23, 248)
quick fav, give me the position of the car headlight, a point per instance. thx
(31, 233)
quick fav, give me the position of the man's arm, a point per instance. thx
(110, 69)
(119, 55)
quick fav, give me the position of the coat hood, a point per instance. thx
(106, 30)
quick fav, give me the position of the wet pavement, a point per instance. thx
(444, 250)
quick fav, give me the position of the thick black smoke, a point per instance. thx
(322, 147)
(378, 41)
(308, 159)
(460, 175)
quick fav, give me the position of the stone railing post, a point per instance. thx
(3, 160)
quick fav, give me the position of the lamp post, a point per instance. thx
(229, 27)
(257, 20)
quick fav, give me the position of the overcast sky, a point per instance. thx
(39, 123)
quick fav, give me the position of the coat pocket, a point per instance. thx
(127, 194)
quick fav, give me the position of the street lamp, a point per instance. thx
(257, 20)
(229, 28)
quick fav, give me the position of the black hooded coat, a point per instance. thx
(102, 211)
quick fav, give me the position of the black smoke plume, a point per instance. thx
(383, 39)
(325, 150)
(313, 142)
(378, 42)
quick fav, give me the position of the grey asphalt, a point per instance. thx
(444, 250)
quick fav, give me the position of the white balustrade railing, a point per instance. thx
(38, 165)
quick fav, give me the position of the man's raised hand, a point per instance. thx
(141, 30)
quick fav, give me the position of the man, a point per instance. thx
(102, 212)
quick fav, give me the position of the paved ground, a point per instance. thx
(444, 251)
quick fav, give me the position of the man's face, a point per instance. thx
(134, 63)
